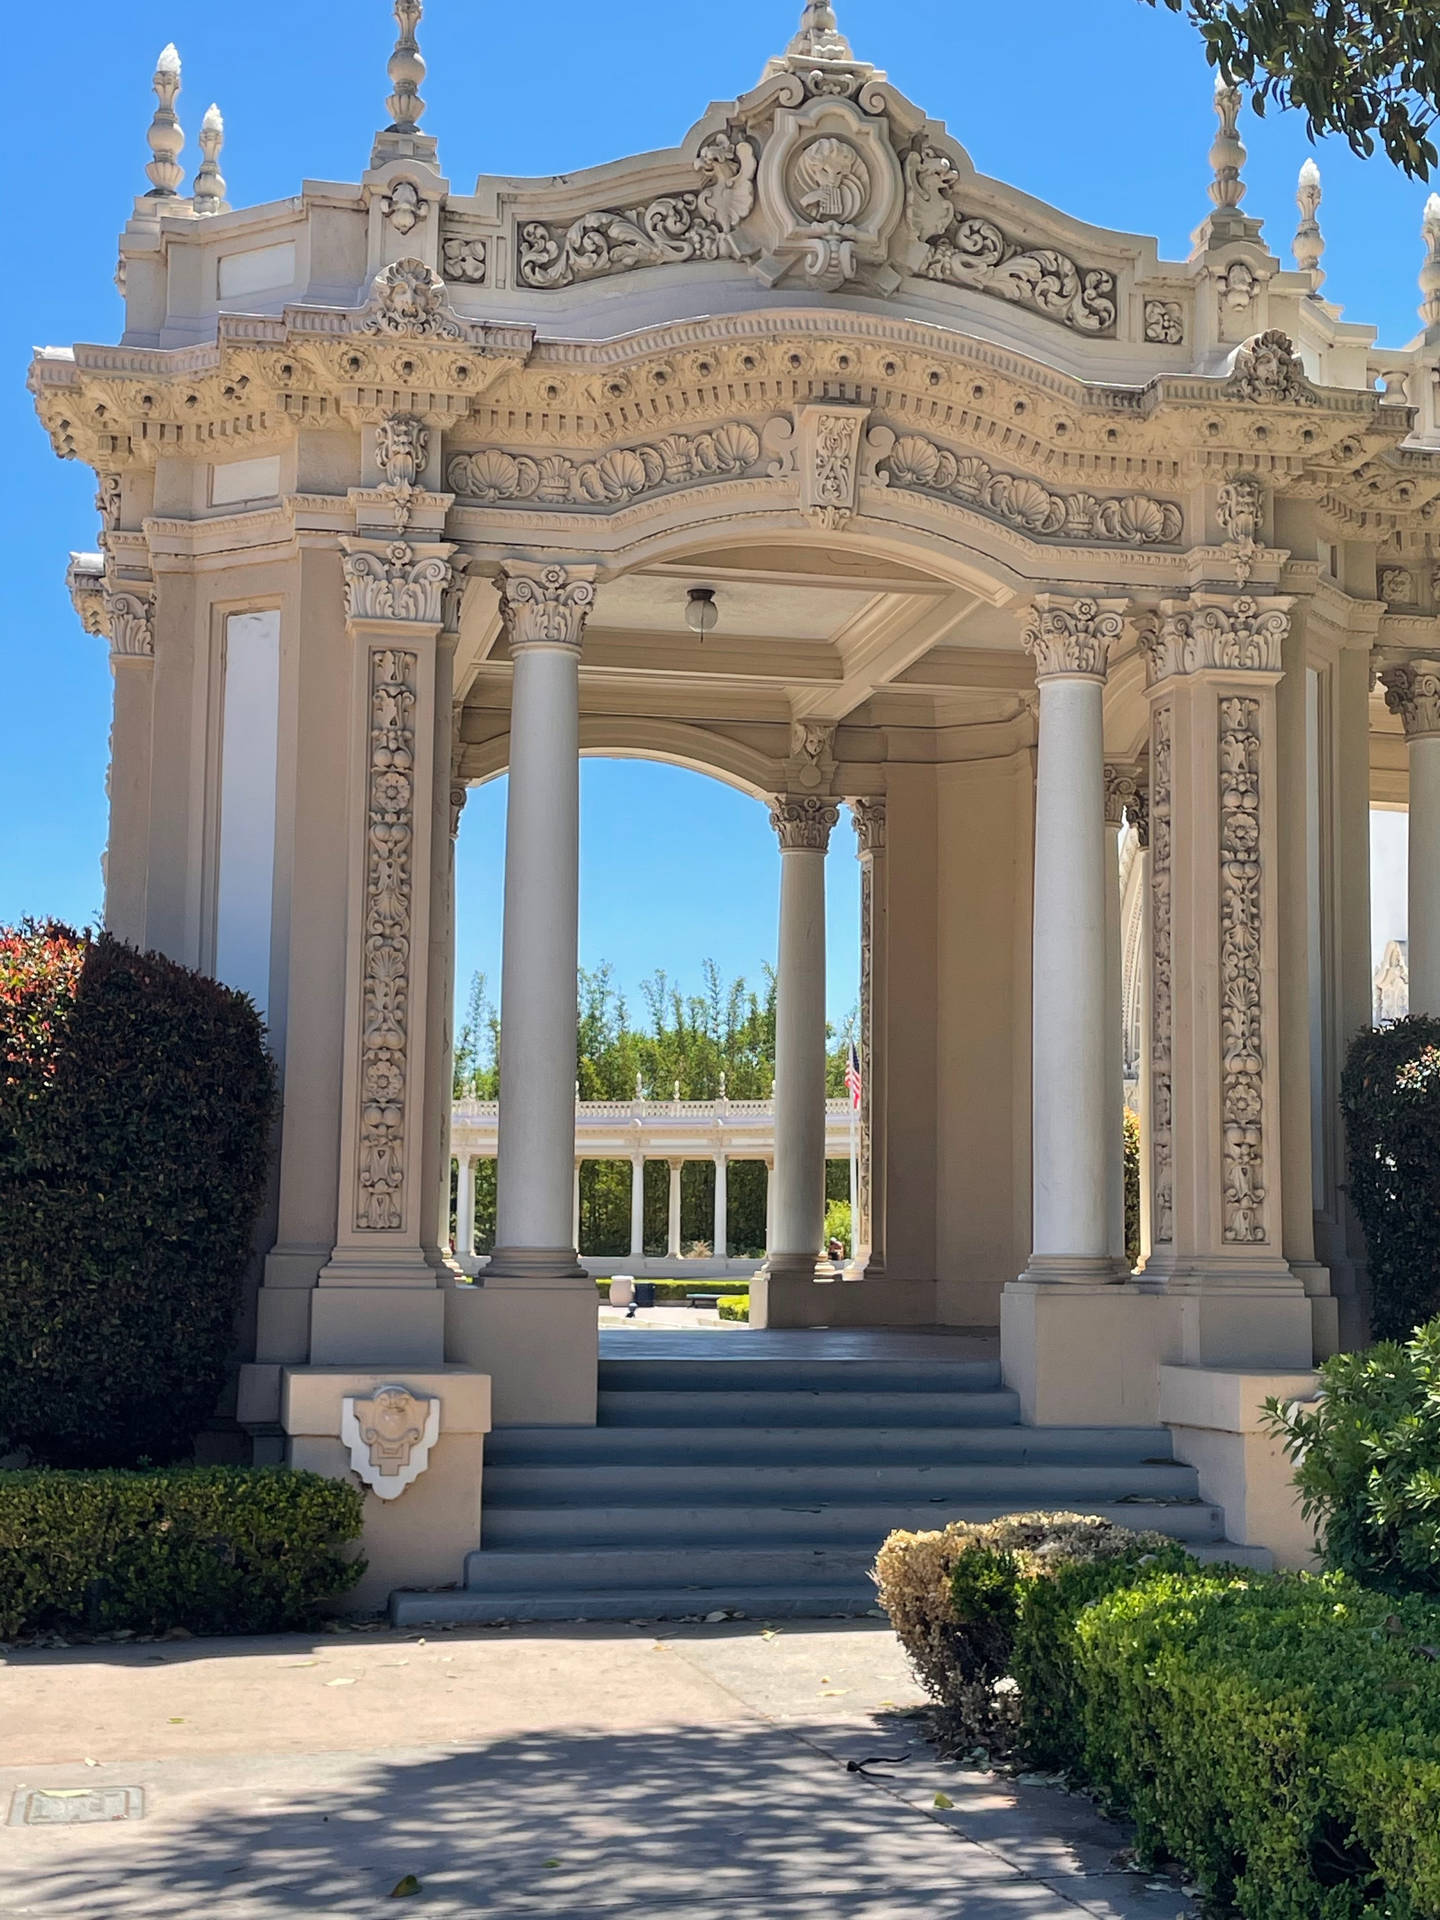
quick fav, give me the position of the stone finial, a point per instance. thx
(208, 193)
(819, 38)
(1309, 242)
(406, 70)
(1430, 271)
(1227, 154)
(166, 137)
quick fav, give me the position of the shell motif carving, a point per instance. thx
(1131, 519)
(829, 180)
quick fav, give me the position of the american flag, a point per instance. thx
(852, 1076)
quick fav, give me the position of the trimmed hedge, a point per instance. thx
(678, 1289)
(211, 1549)
(1279, 1734)
(1367, 1462)
(1390, 1095)
(734, 1306)
(135, 1106)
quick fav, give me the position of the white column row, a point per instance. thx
(1412, 689)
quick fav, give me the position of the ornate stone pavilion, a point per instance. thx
(805, 455)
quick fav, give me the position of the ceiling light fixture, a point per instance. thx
(701, 613)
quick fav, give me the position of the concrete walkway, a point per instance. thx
(567, 1771)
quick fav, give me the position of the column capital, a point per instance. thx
(1072, 638)
(1127, 797)
(868, 819)
(803, 821)
(128, 620)
(398, 582)
(545, 604)
(1236, 633)
(1412, 689)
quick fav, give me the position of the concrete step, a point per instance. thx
(862, 1525)
(786, 1407)
(798, 1374)
(707, 1570)
(781, 1483)
(459, 1606)
(792, 1446)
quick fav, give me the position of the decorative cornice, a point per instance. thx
(1412, 689)
(803, 822)
(868, 819)
(387, 582)
(544, 604)
(1243, 635)
(1073, 638)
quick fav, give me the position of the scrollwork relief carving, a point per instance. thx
(1162, 1166)
(680, 459)
(1242, 1062)
(385, 968)
(1130, 519)
(829, 440)
(1397, 586)
(974, 252)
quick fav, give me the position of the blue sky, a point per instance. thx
(1102, 109)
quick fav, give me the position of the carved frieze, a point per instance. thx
(1267, 369)
(408, 298)
(1412, 689)
(1240, 635)
(1072, 637)
(389, 1434)
(1242, 1061)
(974, 252)
(1162, 1165)
(391, 584)
(387, 934)
(1129, 519)
(803, 821)
(671, 228)
(624, 473)
(545, 604)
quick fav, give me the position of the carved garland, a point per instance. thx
(385, 978)
(1132, 519)
(1161, 962)
(1241, 1052)
(679, 460)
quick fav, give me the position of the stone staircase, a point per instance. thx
(764, 1485)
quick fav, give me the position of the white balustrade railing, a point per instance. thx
(655, 1129)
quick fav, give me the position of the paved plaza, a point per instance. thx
(560, 1771)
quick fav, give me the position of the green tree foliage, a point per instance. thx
(1390, 1096)
(1132, 1189)
(1359, 68)
(135, 1105)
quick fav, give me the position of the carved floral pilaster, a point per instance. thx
(829, 459)
(1074, 638)
(545, 604)
(1162, 960)
(1242, 1046)
(1412, 690)
(803, 822)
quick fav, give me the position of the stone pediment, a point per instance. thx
(826, 179)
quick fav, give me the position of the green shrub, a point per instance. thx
(1278, 1734)
(212, 1549)
(678, 1289)
(1367, 1455)
(1132, 1189)
(1390, 1094)
(135, 1107)
(734, 1306)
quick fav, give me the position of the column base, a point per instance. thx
(530, 1264)
(824, 1296)
(538, 1339)
(1085, 1354)
(1074, 1269)
(377, 1326)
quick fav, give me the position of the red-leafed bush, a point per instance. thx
(135, 1106)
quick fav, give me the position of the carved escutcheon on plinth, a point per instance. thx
(389, 1434)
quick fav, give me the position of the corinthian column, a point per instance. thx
(869, 1227)
(1412, 689)
(1124, 800)
(803, 824)
(1216, 1226)
(1070, 642)
(544, 607)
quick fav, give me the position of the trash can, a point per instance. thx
(644, 1293)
